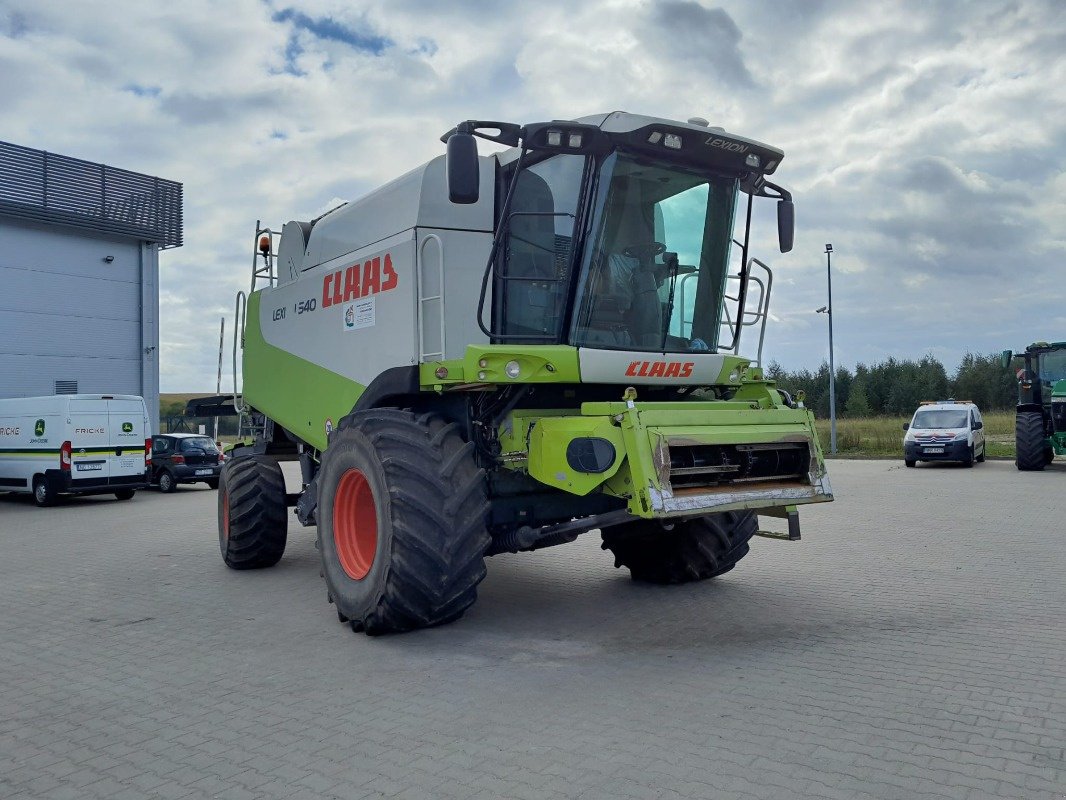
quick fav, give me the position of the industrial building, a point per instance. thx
(79, 275)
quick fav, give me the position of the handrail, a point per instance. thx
(422, 300)
(764, 303)
(239, 317)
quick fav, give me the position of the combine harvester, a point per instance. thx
(499, 353)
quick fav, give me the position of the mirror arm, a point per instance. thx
(777, 192)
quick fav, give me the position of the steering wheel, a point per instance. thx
(644, 251)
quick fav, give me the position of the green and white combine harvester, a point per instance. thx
(499, 353)
(1040, 418)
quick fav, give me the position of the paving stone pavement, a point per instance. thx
(913, 645)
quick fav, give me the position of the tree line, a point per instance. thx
(895, 387)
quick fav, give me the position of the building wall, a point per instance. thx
(67, 314)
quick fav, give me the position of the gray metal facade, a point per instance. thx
(79, 275)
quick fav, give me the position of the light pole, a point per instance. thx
(828, 310)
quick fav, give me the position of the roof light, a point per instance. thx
(555, 138)
(575, 140)
(654, 137)
(752, 160)
(673, 141)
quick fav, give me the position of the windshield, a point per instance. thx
(198, 443)
(1052, 367)
(655, 269)
(940, 418)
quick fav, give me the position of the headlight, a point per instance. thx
(513, 369)
(961, 437)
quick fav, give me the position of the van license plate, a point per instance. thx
(89, 467)
(934, 449)
(203, 472)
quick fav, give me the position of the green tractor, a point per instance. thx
(1040, 421)
(499, 353)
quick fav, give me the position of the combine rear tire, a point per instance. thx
(401, 521)
(1029, 441)
(252, 518)
(693, 550)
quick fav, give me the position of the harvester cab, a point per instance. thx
(498, 353)
(1040, 418)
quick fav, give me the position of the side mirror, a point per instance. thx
(906, 426)
(786, 224)
(978, 425)
(1004, 358)
(462, 169)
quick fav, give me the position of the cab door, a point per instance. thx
(89, 441)
(978, 433)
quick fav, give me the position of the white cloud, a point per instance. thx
(924, 140)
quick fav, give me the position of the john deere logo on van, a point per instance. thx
(127, 427)
(38, 428)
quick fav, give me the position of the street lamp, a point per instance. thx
(828, 311)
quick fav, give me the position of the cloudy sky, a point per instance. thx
(925, 140)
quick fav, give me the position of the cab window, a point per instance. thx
(533, 267)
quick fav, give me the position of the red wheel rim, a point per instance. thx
(355, 524)
(225, 516)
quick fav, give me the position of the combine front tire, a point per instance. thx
(252, 514)
(401, 521)
(1029, 441)
(693, 550)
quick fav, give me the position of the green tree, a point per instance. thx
(858, 405)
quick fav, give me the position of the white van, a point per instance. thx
(945, 430)
(74, 444)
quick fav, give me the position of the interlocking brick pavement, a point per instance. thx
(912, 646)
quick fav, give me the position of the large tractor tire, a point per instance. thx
(1029, 441)
(693, 550)
(401, 521)
(252, 513)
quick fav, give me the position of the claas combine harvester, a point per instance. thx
(498, 353)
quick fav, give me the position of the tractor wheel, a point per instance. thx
(1029, 441)
(401, 521)
(252, 518)
(694, 550)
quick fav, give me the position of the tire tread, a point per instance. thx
(695, 550)
(1030, 441)
(258, 513)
